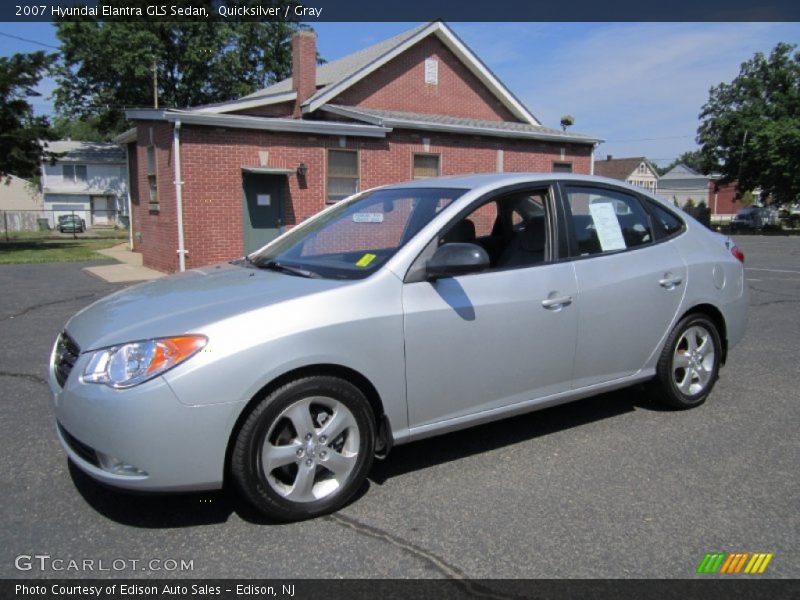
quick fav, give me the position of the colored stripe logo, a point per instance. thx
(732, 563)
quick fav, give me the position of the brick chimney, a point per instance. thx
(609, 157)
(304, 67)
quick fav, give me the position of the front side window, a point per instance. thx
(513, 229)
(607, 221)
(358, 236)
(342, 174)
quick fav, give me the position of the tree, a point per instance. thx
(86, 129)
(108, 66)
(21, 131)
(750, 130)
(692, 159)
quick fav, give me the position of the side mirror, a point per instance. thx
(456, 259)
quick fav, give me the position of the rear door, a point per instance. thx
(630, 284)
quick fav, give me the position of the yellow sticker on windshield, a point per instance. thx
(365, 260)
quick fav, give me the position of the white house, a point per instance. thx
(88, 179)
(636, 170)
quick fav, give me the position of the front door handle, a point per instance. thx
(670, 282)
(557, 303)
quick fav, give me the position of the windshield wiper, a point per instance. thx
(276, 266)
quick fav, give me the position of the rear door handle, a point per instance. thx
(670, 283)
(557, 303)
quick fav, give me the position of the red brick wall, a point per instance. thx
(722, 199)
(284, 109)
(156, 235)
(400, 85)
(212, 193)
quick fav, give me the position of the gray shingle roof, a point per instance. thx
(399, 119)
(335, 71)
(618, 168)
(89, 152)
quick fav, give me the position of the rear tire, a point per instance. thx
(689, 364)
(305, 449)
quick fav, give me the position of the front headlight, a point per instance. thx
(134, 363)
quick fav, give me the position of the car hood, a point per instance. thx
(185, 303)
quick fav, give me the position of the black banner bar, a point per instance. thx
(311, 11)
(733, 588)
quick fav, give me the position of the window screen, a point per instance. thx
(426, 165)
(342, 174)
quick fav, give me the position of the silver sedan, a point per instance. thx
(404, 312)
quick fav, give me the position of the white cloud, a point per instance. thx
(623, 81)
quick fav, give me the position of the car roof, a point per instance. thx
(480, 180)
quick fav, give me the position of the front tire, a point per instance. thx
(305, 449)
(689, 364)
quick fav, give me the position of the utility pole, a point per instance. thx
(155, 84)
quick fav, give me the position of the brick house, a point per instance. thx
(213, 182)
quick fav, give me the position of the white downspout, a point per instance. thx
(591, 163)
(128, 194)
(176, 154)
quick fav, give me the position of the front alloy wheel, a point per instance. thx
(305, 449)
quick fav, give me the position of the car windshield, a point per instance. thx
(358, 236)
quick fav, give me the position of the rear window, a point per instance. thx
(666, 223)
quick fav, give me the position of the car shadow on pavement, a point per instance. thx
(170, 510)
(491, 436)
(175, 510)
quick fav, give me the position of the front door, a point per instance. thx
(264, 198)
(100, 212)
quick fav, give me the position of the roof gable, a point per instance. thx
(337, 76)
(621, 168)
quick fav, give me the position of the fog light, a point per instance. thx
(118, 467)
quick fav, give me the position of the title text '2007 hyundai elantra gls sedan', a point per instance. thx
(400, 313)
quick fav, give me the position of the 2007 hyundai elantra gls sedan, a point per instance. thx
(403, 312)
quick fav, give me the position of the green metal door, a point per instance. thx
(264, 199)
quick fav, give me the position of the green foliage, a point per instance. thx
(20, 131)
(747, 199)
(79, 129)
(750, 130)
(692, 159)
(107, 66)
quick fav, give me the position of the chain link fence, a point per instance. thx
(55, 222)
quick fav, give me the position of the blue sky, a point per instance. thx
(639, 86)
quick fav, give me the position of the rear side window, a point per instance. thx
(607, 221)
(666, 223)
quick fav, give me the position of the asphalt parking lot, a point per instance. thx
(609, 487)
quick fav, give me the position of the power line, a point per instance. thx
(671, 137)
(22, 39)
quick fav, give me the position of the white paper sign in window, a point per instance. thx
(607, 226)
(368, 218)
(431, 71)
(264, 200)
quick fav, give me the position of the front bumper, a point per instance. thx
(174, 446)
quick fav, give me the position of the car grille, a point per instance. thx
(67, 352)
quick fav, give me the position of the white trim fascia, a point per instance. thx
(126, 137)
(261, 123)
(461, 51)
(395, 123)
(249, 103)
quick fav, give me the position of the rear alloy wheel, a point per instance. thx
(305, 449)
(689, 363)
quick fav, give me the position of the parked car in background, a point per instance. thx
(71, 224)
(400, 313)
